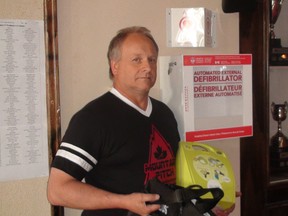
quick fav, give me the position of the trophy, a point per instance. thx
(279, 142)
(275, 8)
(278, 54)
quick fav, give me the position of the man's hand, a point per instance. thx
(220, 212)
(137, 203)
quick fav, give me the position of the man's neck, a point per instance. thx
(140, 100)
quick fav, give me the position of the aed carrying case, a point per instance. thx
(207, 166)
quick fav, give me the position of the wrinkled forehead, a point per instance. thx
(139, 38)
(138, 42)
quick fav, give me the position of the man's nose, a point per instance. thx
(147, 65)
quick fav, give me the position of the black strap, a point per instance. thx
(168, 194)
(188, 199)
(195, 192)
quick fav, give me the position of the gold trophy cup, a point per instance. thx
(279, 142)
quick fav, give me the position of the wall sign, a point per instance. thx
(23, 107)
(211, 95)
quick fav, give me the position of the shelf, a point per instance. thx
(277, 190)
(278, 180)
(279, 176)
(278, 68)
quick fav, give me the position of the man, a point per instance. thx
(119, 141)
(110, 142)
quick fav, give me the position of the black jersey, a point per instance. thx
(114, 147)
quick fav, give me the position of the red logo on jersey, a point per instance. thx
(161, 159)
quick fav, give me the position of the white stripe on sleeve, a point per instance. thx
(74, 158)
(81, 151)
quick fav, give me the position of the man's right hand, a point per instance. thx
(137, 203)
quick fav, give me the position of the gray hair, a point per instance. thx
(116, 42)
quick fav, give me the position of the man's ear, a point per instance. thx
(114, 66)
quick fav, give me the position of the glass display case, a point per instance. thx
(263, 183)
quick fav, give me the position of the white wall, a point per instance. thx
(85, 29)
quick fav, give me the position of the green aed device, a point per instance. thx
(207, 166)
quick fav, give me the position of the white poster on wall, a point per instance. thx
(219, 87)
(210, 95)
(23, 111)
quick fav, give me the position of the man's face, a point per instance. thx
(135, 71)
